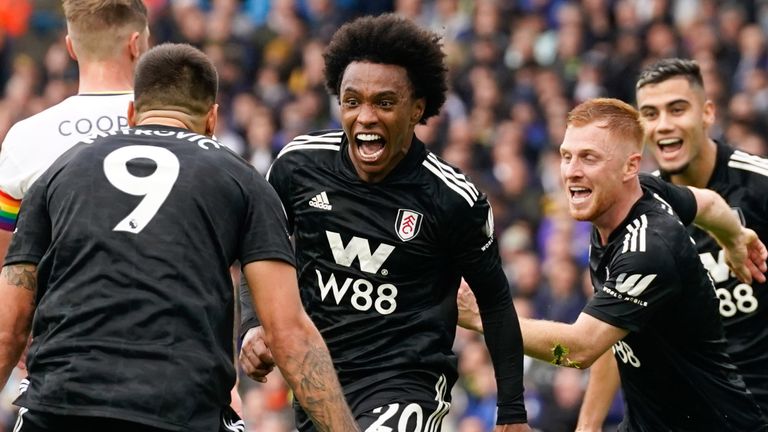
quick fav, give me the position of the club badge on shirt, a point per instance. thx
(408, 224)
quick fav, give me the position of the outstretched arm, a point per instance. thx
(297, 346)
(744, 252)
(18, 287)
(601, 389)
(574, 345)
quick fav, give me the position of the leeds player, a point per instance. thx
(106, 38)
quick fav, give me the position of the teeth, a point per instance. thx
(368, 137)
(669, 141)
(579, 189)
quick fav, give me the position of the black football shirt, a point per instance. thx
(380, 264)
(675, 373)
(134, 234)
(742, 180)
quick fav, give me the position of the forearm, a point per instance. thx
(715, 216)
(601, 389)
(18, 285)
(575, 345)
(504, 341)
(306, 365)
(551, 342)
(248, 317)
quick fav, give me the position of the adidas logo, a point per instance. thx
(321, 201)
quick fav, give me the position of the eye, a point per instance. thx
(350, 102)
(386, 103)
(677, 110)
(648, 115)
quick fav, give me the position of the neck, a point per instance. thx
(173, 119)
(105, 76)
(700, 169)
(607, 222)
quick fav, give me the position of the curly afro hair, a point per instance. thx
(391, 39)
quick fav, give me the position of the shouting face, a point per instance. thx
(593, 169)
(379, 114)
(675, 117)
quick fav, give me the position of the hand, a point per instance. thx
(255, 357)
(746, 257)
(469, 313)
(517, 427)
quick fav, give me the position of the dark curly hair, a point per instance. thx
(668, 68)
(391, 39)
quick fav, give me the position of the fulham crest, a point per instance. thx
(408, 224)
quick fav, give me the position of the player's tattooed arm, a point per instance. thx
(317, 387)
(296, 345)
(23, 276)
(18, 288)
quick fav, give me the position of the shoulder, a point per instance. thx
(35, 125)
(451, 184)
(653, 232)
(71, 119)
(310, 144)
(313, 148)
(751, 169)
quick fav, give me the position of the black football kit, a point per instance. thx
(379, 267)
(133, 234)
(675, 374)
(742, 179)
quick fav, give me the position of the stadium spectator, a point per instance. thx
(384, 231)
(151, 350)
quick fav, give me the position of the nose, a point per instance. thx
(664, 123)
(570, 169)
(367, 115)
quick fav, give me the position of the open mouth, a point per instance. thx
(670, 145)
(370, 146)
(579, 194)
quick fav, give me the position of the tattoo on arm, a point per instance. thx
(21, 276)
(322, 396)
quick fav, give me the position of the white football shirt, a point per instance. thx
(34, 143)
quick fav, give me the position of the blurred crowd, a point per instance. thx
(516, 68)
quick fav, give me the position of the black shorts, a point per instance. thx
(416, 409)
(38, 421)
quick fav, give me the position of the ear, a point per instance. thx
(418, 111)
(134, 46)
(708, 113)
(131, 114)
(70, 50)
(210, 120)
(632, 166)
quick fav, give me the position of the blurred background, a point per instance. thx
(516, 68)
